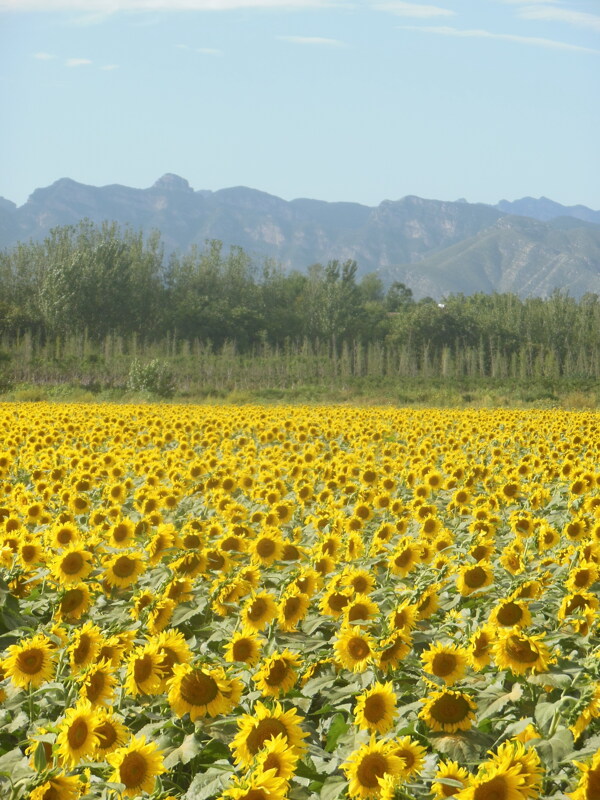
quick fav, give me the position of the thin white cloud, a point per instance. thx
(92, 7)
(507, 37)
(77, 62)
(44, 56)
(413, 10)
(109, 67)
(318, 40)
(552, 14)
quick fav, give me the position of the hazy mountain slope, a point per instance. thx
(296, 233)
(515, 254)
(544, 209)
(435, 247)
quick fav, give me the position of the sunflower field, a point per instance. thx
(259, 603)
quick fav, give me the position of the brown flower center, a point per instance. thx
(520, 650)
(450, 709)
(142, 668)
(266, 729)
(243, 650)
(124, 567)
(78, 733)
(198, 688)
(510, 614)
(358, 648)
(265, 547)
(107, 735)
(443, 664)
(277, 673)
(257, 610)
(31, 661)
(72, 563)
(337, 601)
(372, 767)
(475, 578)
(133, 770)
(72, 600)
(375, 708)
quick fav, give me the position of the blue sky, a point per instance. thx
(330, 99)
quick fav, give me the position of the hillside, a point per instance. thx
(436, 247)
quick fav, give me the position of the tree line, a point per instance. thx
(102, 280)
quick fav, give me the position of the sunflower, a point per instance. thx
(520, 653)
(136, 766)
(160, 615)
(375, 708)
(293, 607)
(412, 754)
(577, 604)
(258, 610)
(267, 548)
(360, 609)
(58, 787)
(472, 577)
(86, 644)
(140, 602)
(111, 733)
(254, 730)
(277, 674)
(159, 545)
(144, 671)
(111, 650)
(174, 649)
(179, 590)
(480, 647)
(31, 554)
(354, 649)
(367, 766)
(404, 617)
(202, 691)
(308, 581)
(582, 577)
(514, 753)
(447, 662)
(74, 602)
(123, 569)
(30, 663)
(589, 781)
(121, 534)
(98, 684)
(71, 566)
(244, 646)
(428, 603)
(406, 556)
(498, 782)
(448, 771)
(76, 737)
(277, 755)
(510, 614)
(393, 650)
(360, 580)
(260, 785)
(334, 601)
(448, 711)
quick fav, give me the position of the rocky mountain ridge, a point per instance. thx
(436, 247)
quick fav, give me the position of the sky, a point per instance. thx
(337, 100)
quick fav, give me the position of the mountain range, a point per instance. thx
(528, 246)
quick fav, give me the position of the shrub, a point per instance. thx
(154, 377)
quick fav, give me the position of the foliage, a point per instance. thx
(96, 283)
(154, 377)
